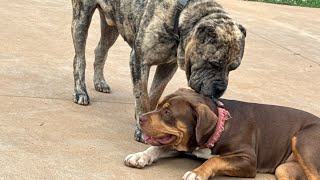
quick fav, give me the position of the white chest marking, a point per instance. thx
(203, 153)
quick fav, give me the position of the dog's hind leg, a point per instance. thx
(109, 35)
(306, 147)
(290, 170)
(162, 76)
(82, 14)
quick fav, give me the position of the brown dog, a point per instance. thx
(258, 138)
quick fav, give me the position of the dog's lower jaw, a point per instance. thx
(181, 144)
(180, 147)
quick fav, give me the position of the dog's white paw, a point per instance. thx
(191, 176)
(138, 160)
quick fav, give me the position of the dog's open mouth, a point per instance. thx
(158, 141)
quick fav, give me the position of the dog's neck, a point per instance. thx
(223, 116)
(209, 139)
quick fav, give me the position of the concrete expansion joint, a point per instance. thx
(287, 49)
(63, 99)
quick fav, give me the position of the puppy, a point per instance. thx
(238, 138)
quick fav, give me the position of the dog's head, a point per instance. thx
(209, 53)
(181, 119)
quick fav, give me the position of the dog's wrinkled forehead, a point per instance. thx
(229, 33)
(221, 39)
(225, 32)
(215, 44)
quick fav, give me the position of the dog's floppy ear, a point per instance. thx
(205, 123)
(243, 30)
(181, 56)
(181, 52)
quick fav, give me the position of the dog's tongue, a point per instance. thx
(158, 141)
(150, 140)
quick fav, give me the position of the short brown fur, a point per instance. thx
(258, 137)
(310, 172)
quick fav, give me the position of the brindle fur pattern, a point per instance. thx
(258, 138)
(215, 43)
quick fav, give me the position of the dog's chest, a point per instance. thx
(203, 153)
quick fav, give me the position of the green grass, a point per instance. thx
(306, 3)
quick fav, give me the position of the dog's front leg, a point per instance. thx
(233, 165)
(162, 76)
(139, 74)
(147, 157)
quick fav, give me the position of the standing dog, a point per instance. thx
(210, 44)
(258, 137)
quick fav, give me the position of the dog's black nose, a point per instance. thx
(143, 119)
(218, 92)
(219, 88)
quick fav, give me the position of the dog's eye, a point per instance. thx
(215, 65)
(233, 66)
(167, 112)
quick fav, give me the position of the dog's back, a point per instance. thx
(271, 128)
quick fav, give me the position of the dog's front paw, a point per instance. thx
(138, 160)
(190, 175)
(138, 135)
(81, 97)
(102, 86)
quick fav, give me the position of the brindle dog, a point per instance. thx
(210, 45)
(258, 138)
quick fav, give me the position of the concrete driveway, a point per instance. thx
(44, 135)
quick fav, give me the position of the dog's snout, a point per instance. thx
(143, 119)
(219, 88)
(220, 83)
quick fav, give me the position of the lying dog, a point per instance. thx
(207, 45)
(258, 138)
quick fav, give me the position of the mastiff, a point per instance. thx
(237, 138)
(196, 35)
